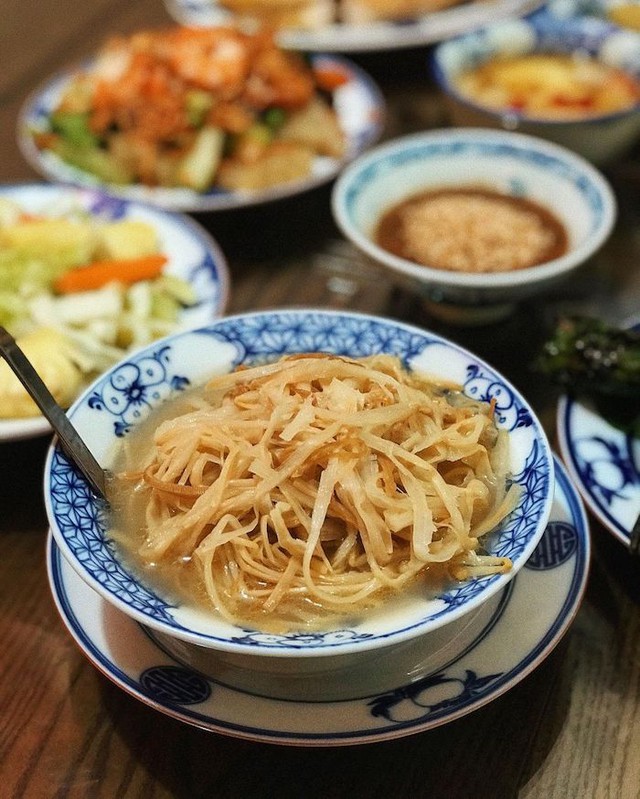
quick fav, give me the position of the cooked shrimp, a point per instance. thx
(279, 78)
(153, 94)
(231, 117)
(216, 59)
(113, 59)
(147, 98)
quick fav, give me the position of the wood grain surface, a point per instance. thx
(569, 730)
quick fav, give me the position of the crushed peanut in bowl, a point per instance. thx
(469, 229)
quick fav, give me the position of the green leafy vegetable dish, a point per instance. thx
(592, 359)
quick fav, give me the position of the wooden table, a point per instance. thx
(571, 729)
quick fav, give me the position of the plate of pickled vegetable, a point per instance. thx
(200, 119)
(86, 277)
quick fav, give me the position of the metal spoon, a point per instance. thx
(69, 437)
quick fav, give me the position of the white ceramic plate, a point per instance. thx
(192, 255)
(358, 103)
(370, 37)
(501, 645)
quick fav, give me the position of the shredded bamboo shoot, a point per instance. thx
(316, 486)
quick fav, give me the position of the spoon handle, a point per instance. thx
(71, 442)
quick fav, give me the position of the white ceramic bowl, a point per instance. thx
(601, 139)
(123, 397)
(511, 163)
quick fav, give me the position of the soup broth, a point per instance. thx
(279, 496)
(550, 86)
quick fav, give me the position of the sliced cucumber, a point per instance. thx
(93, 160)
(199, 166)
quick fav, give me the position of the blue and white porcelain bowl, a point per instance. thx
(122, 398)
(601, 139)
(511, 163)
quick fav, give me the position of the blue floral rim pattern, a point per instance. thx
(492, 147)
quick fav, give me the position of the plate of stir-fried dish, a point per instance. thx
(199, 119)
(343, 26)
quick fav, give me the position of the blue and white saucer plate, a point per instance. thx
(429, 683)
(604, 463)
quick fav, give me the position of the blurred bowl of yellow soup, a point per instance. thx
(574, 81)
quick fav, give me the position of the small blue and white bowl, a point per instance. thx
(601, 139)
(122, 398)
(513, 164)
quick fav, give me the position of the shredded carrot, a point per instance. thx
(99, 273)
(329, 78)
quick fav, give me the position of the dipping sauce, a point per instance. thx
(550, 86)
(471, 229)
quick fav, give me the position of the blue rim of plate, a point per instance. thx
(604, 463)
(361, 133)
(208, 272)
(561, 560)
